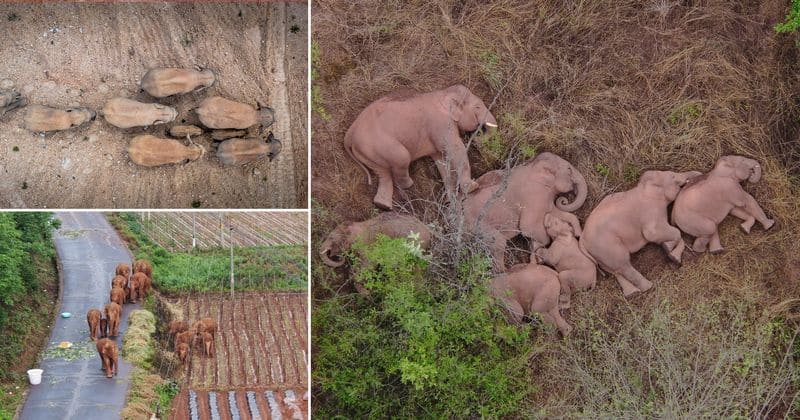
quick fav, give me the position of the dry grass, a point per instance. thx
(615, 87)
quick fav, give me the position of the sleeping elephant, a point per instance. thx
(706, 200)
(113, 313)
(391, 224)
(625, 222)
(109, 354)
(503, 208)
(400, 128)
(529, 288)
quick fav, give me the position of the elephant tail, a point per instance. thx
(586, 253)
(349, 149)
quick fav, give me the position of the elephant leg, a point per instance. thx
(553, 316)
(514, 310)
(752, 208)
(498, 248)
(668, 236)
(631, 281)
(383, 198)
(401, 176)
(747, 220)
(701, 244)
(448, 179)
(565, 279)
(715, 246)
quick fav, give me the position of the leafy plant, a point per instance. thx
(792, 21)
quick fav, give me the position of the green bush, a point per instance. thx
(417, 346)
(792, 21)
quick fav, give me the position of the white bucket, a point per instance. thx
(35, 376)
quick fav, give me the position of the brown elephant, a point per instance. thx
(123, 270)
(119, 281)
(208, 344)
(625, 222)
(117, 295)
(113, 314)
(576, 270)
(402, 127)
(182, 349)
(41, 119)
(143, 266)
(140, 285)
(391, 224)
(178, 327)
(205, 325)
(93, 318)
(529, 288)
(503, 208)
(706, 200)
(186, 337)
(109, 355)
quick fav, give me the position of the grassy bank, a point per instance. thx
(279, 267)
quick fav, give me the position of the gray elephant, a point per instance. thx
(391, 224)
(625, 222)
(707, 200)
(529, 288)
(576, 270)
(501, 210)
(400, 128)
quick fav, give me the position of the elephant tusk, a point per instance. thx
(488, 124)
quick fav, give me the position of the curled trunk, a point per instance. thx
(580, 189)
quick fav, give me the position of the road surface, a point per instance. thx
(88, 250)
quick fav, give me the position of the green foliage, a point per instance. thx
(167, 392)
(490, 68)
(417, 347)
(602, 169)
(685, 113)
(275, 267)
(317, 101)
(630, 173)
(792, 21)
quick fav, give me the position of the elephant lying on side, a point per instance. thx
(400, 128)
(576, 271)
(529, 288)
(107, 350)
(502, 209)
(708, 199)
(391, 224)
(626, 221)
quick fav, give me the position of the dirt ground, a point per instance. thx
(66, 55)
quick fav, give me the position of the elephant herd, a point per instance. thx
(227, 118)
(528, 200)
(126, 287)
(200, 334)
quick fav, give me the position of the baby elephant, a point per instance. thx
(528, 288)
(40, 118)
(708, 199)
(217, 112)
(392, 224)
(163, 82)
(127, 113)
(97, 326)
(576, 271)
(107, 350)
(10, 100)
(147, 150)
(242, 151)
(183, 352)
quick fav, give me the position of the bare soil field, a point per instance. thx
(173, 230)
(260, 346)
(66, 55)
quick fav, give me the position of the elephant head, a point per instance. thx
(738, 167)
(556, 227)
(666, 184)
(565, 179)
(468, 110)
(337, 242)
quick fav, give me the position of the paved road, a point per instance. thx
(89, 250)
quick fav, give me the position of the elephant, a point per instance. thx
(186, 337)
(96, 330)
(113, 313)
(142, 285)
(625, 222)
(529, 288)
(162, 82)
(117, 295)
(205, 325)
(576, 270)
(109, 355)
(183, 352)
(703, 203)
(41, 119)
(119, 281)
(500, 209)
(402, 127)
(208, 344)
(123, 270)
(392, 224)
(178, 327)
(143, 266)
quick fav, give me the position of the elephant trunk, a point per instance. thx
(324, 254)
(755, 176)
(580, 189)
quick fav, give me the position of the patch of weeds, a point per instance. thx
(167, 392)
(79, 350)
(687, 112)
(490, 68)
(13, 17)
(72, 234)
(317, 101)
(630, 173)
(494, 146)
(602, 169)
(294, 29)
(792, 21)
(196, 204)
(15, 148)
(527, 151)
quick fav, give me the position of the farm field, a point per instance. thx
(173, 230)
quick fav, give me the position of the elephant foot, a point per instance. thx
(647, 285)
(676, 258)
(382, 204)
(716, 250)
(630, 291)
(746, 226)
(769, 224)
(404, 183)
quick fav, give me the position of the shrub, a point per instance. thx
(417, 346)
(792, 21)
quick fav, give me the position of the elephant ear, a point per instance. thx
(453, 101)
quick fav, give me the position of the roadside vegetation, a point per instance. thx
(28, 291)
(277, 267)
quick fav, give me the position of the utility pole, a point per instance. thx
(194, 230)
(221, 231)
(230, 239)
